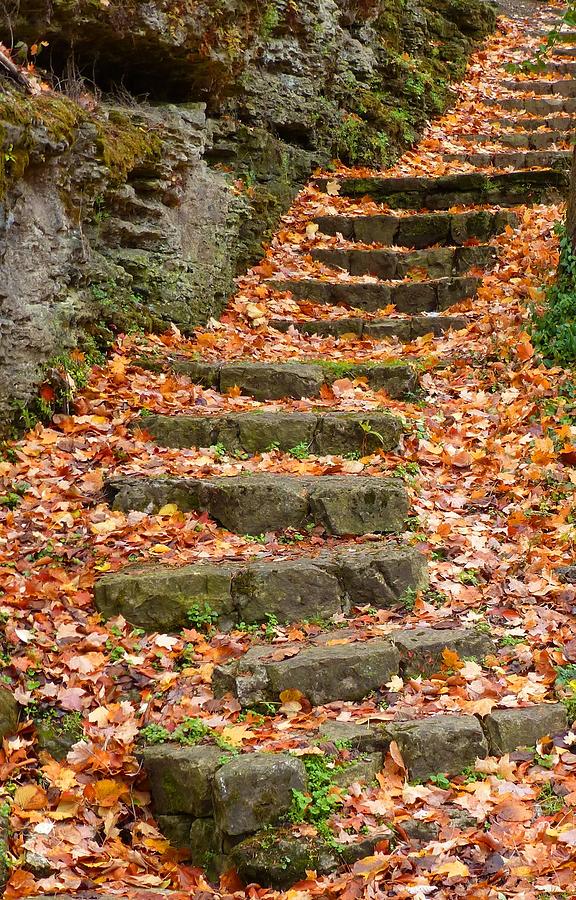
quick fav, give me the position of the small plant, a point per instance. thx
(441, 781)
(255, 538)
(371, 432)
(201, 616)
(549, 800)
(553, 330)
(566, 674)
(471, 775)
(300, 451)
(408, 598)
(407, 471)
(190, 732)
(546, 760)
(219, 450)
(154, 734)
(511, 640)
(322, 798)
(469, 576)
(570, 704)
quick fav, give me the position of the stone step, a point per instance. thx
(564, 37)
(563, 51)
(330, 669)
(559, 123)
(420, 230)
(256, 504)
(294, 379)
(562, 66)
(323, 433)
(539, 106)
(438, 263)
(407, 297)
(426, 192)
(528, 140)
(164, 598)
(234, 810)
(404, 330)
(565, 87)
(507, 159)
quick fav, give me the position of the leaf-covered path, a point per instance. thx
(372, 593)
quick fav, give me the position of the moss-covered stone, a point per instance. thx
(280, 859)
(181, 778)
(444, 744)
(8, 713)
(255, 790)
(509, 729)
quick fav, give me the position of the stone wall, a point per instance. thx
(140, 213)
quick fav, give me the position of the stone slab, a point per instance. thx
(443, 192)
(256, 790)
(337, 667)
(404, 330)
(324, 433)
(294, 379)
(255, 504)
(162, 598)
(440, 744)
(441, 262)
(509, 729)
(420, 230)
(407, 297)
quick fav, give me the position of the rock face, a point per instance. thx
(132, 215)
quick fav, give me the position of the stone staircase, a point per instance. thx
(222, 807)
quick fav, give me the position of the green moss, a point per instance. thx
(20, 117)
(124, 145)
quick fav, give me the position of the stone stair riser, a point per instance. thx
(506, 159)
(506, 189)
(529, 140)
(439, 263)
(561, 123)
(256, 504)
(565, 88)
(160, 598)
(419, 231)
(408, 297)
(539, 106)
(276, 381)
(322, 433)
(348, 671)
(404, 330)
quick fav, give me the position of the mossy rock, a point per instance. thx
(279, 859)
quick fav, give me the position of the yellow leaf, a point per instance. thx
(451, 659)
(455, 869)
(170, 509)
(159, 548)
(236, 734)
(291, 695)
(66, 809)
(30, 796)
(107, 792)
(371, 865)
